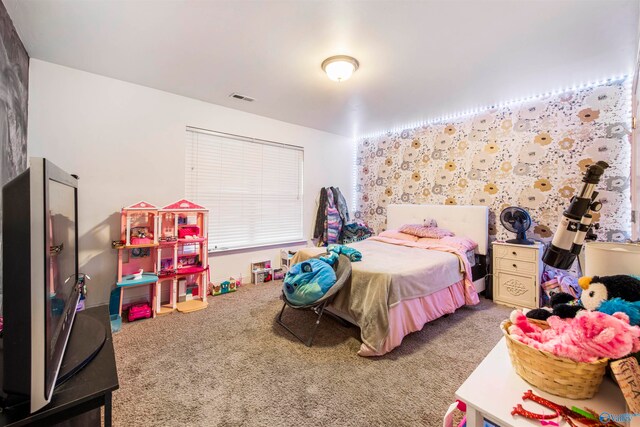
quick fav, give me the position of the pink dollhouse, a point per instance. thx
(183, 227)
(165, 248)
(138, 235)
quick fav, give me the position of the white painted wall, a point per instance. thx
(126, 142)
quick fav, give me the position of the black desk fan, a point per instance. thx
(518, 221)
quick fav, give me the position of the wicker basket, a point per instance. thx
(556, 375)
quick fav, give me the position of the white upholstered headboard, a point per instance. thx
(467, 221)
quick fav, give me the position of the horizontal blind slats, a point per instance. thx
(253, 190)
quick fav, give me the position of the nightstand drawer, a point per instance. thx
(516, 289)
(515, 266)
(526, 253)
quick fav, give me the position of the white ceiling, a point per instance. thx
(418, 59)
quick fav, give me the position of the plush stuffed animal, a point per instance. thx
(563, 305)
(602, 288)
(607, 294)
(589, 336)
(618, 305)
(141, 233)
(308, 281)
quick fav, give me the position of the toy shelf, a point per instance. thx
(154, 240)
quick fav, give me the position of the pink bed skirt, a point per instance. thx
(411, 316)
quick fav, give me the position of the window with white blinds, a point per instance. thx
(252, 188)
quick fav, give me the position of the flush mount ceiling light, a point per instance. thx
(340, 67)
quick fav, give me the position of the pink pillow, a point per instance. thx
(463, 243)
(395, 234)
(422, 231)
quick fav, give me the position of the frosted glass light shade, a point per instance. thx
(340, 68)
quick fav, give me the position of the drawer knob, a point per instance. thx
(515, 266)
(514, 252)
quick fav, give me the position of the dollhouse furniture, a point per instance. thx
(137, 236)
(183, 257)
(285, 259)
(261, 271)
(494, 388)
(516, 274)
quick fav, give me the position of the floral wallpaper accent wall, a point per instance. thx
(531, 155)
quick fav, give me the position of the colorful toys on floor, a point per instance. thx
(224, 287)
(261, 272)
(278, 273)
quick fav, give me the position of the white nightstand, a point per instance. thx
(516, 274)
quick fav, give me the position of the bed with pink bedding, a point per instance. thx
(402, 283)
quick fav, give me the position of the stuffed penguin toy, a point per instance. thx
(597, 289)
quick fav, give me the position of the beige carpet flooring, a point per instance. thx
(232, 365)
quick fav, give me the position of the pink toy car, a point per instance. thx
(139, 311)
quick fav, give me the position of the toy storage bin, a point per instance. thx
(555, 375)
(114, 306)
(278, 273)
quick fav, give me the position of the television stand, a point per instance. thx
(85, 341)
(86, 379)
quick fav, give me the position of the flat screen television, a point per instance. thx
(40, 278)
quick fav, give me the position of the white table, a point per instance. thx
(494, 388)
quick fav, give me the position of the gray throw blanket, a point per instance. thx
(388, 274)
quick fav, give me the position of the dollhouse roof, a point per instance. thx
(142, 206)
(184, 205)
